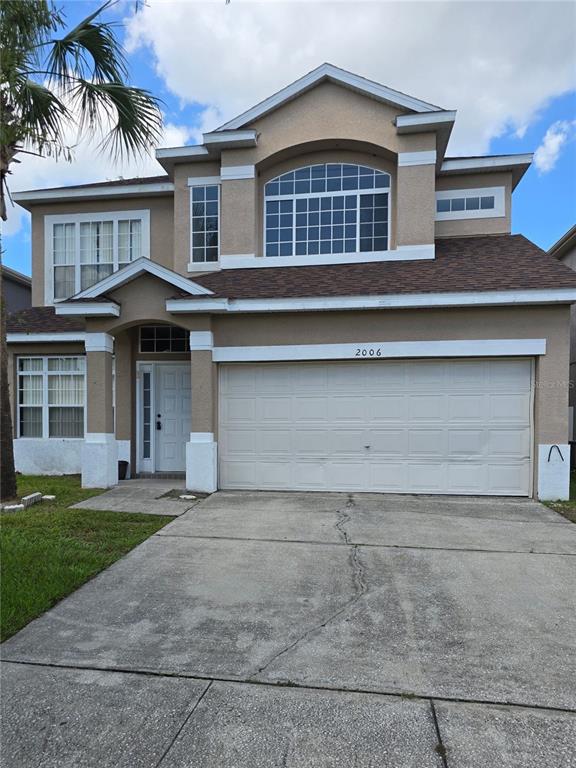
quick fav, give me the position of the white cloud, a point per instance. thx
(88, 164)
(498, 63)
(557, 135)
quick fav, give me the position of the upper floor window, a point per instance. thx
(486, 202)
(330, 208)
(82, 249)
(205, 205)
(163, 338)
(51, 396)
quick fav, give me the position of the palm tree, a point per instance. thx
(48, 84)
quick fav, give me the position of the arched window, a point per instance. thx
(329, 208)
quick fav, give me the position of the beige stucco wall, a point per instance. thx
(488, 226)
(161, 230)
(182, 173)
(239, 217)
(550, 323)
(415, 203)
(99, 402)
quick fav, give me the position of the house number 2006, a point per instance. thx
(369, 352)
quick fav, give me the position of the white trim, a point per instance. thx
(201, 340)
(413, 123)
(71, 193)
(203, 181)
(136, 268)
(94, 309)
(99, 342)
(247, 137)
(166, 153)
(233, 172)
(499, 210)
(99, 460)
(201, 437)
(482, 163)
(384, 350)
(203, 266)
(390, 301)
(337, 75)
(76, 219)
(402, 253)
(417, 158)
(44, 338)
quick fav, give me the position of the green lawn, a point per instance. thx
(48, 550)
(567, 508)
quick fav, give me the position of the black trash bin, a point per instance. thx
(122, 470)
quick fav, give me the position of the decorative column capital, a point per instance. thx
(201, 341)
(99, 342)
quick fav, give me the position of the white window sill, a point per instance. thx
(204, 266)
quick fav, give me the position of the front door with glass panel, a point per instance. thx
(164, 414)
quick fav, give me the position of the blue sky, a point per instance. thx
(511, 78)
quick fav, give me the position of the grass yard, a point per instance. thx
(48, 550)
(567, 508)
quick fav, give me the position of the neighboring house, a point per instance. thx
(16, 289)
(316, 298)
(565, 250)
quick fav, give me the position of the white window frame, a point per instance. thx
(204, 181)
(308, 195)
(45, 405)
(80, 218)
(499, 210)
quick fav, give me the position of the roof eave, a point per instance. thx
(29, 198)
(516, 164)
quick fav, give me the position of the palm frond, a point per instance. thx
(39, 118)
(89, 51)
(133, 113)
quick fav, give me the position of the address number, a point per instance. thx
(368, 352)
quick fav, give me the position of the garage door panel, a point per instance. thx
(457, 426)
(427, 407)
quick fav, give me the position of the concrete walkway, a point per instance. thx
(148, 497)
(265, 629)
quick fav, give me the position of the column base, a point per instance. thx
(554, 472)
(99, 460)
(202, 462)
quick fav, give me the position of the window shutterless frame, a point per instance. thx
(44, 373)
(77, 219)
(358, 193)
(203, 181)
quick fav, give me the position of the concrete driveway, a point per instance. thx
(269, 629)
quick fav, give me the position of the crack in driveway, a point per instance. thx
(359, 584)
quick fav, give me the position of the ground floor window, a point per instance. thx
(51, 396)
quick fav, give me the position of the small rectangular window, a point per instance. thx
(485, 202)
(205, 223)
(163, 338)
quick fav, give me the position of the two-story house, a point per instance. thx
(315, 298)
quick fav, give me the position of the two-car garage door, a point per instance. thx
(441, 426)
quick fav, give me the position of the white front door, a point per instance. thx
(171, 422)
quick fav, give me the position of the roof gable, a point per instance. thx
(328, 72)
(139, 267)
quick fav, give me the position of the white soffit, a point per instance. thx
(76, 193)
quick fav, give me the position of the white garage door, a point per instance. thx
(448, 426)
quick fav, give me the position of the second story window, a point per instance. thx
(205, 210)
(333, 208)
(82, 249)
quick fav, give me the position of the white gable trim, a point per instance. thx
(337, 75)
(138, 267)
(484, 163)
(388, 301)
(71, 193)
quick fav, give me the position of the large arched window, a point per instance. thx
(328, 208)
